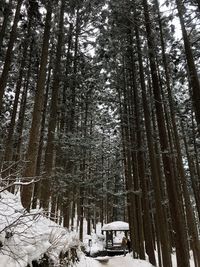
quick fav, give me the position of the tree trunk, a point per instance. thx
(37, 186)
(181, 247)
(193, 232)
(128, 165)
(9, 140)
(66, 214)
(7, 10)
(66, 82)
(193, 75)
(8, 59)
(155, 176)
(33, 144)
(71, 124)
(135, 138)
(190, 215)
(49, 153)
(21, 116)
(54, 97)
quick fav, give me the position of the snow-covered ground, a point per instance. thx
(117, 261)
(25, 237)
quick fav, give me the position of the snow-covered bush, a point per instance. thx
(26, 237)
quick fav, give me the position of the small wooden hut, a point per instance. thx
(111, 230)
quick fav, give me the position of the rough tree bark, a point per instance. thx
(189, 212)
(7, 9)
(180, 237)
(155, 176)
(8, 59)
(31, 156)
(193, 75)
(49, 153)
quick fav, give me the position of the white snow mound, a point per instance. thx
(25, 237)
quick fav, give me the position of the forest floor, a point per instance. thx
(117, 261)
(25, 237)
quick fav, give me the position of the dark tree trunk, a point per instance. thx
(180, 236)
(193, 75)
(33, 144)
(125, 130)
(155, 176)
(37, 186)
(9, 140)
(66, 82)
(7, 10)
(54, 98)
(8, 59)
(189, 212)
(49, 153)
(135, 139)
(71, 124)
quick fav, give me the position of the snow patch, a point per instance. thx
(27, 236)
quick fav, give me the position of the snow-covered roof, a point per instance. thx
(116, 226)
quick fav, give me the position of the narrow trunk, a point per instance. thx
(9, 140)
(66, 82)
(155, 176)
(8, 59)
(7, 10)
(66, 214)
(138, 146)
(37, 186)
(71, 124)
(20, 124)
(54, 96)
(193, 75)
(128, 164)
(49, 153)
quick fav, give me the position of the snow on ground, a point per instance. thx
(117, 261)
(25, 237)
(94, 243)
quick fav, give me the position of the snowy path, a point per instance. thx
(118, 261)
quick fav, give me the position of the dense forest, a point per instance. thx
(100, 116)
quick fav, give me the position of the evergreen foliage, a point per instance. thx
(99, 104)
